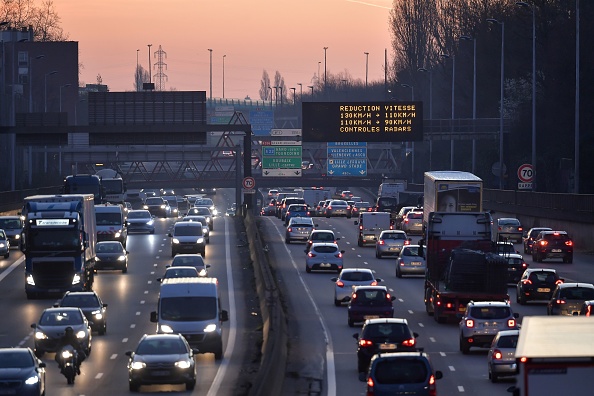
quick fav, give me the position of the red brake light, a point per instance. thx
(409, 343)
(360, 227)
(469, 323)
(381, 242)
(310, 254)
(527, 282)
(520, 228)
(543, 243)
(569, 243)
(339, 255)
(339, 283)
(329, 207)
(511, 323)
(370, 385)
(406, 220)
(497, 354)
(558, 301)
(555, 233)
(524, 265)
(290, 229)
(407, 242)
(365, 343)
(558, 281)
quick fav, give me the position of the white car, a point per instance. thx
(348, 278)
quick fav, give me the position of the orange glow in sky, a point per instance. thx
(273, 35)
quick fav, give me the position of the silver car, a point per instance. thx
(140, 221)
(410, 262)
(349, 277)
(501, 358)
(338, 207)
(299, 229)
(324, 256)
(390, 243)
(481, 322)
(202, 220)
(412, 223)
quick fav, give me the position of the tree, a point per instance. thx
(44, 19)
(264, 85)
(279, 82)
(140, 77)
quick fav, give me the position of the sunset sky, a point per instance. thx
(257, 35)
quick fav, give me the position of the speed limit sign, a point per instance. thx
(525, 173)
(248, 183)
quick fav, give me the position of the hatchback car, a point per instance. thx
(321, 236)
(286, 202)
(587, 308)
(481, 322)
(111, 255)
(349, 277)
(208, 203)
(52, 325)
(400, 216)
(296, 210)
(299, 229)
(405, 373)
(4, 245)
(21, 372)
(390, 243)
(537, 284)
(157, 206)
(324, 256)
(501, 358)
(202, 211)
(412, 223)
(173, 205)
(505, 248)
(568, 298)
(270, 209)
(369, 302)
(191, 260)
(161, 359)
(530, 236)
(337, 208)
(516, 267)
(411, 261)
(140, 221)
(202, 220)
(381, 336)
(179, 272)
(552, 244)
(94, 309)
(187, 237)
(507, 229)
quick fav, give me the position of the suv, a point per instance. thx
(401, 373)
(537, 284)
(299, 228)
(481, 322)
(567, 299)
(530, 236)
(157, 206)
(287, 202)
(348, 278)
(400, 216)
(296, 210)
(369, 302)
(383, 335)
(552, 244)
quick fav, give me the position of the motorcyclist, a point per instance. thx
(69, 338)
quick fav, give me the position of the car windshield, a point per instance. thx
(110, 247)
(397, 331)
(10, 224)
(81, 301)
(154, 201)
(534, 233)
(139, 215)
(510, 341)
(195, 229)
(159, 346)
(505, 248)
(490, 312)
(61, 318)
(400, 371)
(199, 211)
(413, 251)
(370, 297)
(509, 222)
(325, 249)
(577, 293)
(15, 359)
(515, 261)
(301, 224)
(556, 237)
(322, 236)
(355, 276)
(181, 273)
(543, 276)
(414, 215)
(188, 309)
(192, 261)
(108, 218)
(338, 203)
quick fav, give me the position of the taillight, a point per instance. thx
(388, 297)
(370, 385)
(290, 229)
(360, 227)
(527, 282)
(558, 281)
(310, 254)
(409, 343)
(511, 323)
(543, 243)
(339, 283)
(365, 343)
(348, 207)
(559, 301)
(308, 213)
(338, 255)
(497, 355)
(469, 323)
(374, 283)
(524, 265)
(568, 243)
(288, 213)
(407, 242)
(406, 220)
(391, 226)
(381, 242)
(401, 262)
(520, 228)
(432, 387)
(499, 228)
(330, 207)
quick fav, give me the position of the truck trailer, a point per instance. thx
(58, 239)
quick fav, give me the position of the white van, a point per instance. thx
(371, 225)
(111, 223)
(192, 308)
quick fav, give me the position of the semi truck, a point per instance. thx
(461, 264)
(58, 239)
(114, 188)
(84, 184)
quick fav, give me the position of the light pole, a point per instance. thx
(300, 91)
(31, 82)
(453, 57)
(576, 174)
(366, 67)
(423, 70)
(325, 70)
(45, 89)
(136, 74)
(492, 20)
(62, 86)
(275, 96)
(149, 61)
(270, 88)
(293, 89)
(412, 145)
(210, 50)
(319, 63)
(473, 96)
(311, 87)
(224, 56)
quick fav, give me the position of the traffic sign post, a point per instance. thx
(526, 176)
(347, 159)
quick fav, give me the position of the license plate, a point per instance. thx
(512, 269)
(556, 250)
(416, 263)
(543, 290)
(370, 317)
(394, 249)
(384, 347)
(160, 373)
(325, 265)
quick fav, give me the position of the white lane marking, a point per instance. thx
(162, 245)
(138, 313)
(160, 251)
(142, 301)
(410, 311)
(365, 262)
(154, 265)
(146, 292)
(460, 389)
(442, 354)
(452, 368)
(132, 326)
(421, 325)
(152, 272)
(431, 339)
(348, 243)
(124, 340)
(157, 257)
(358, 255)
(114, 356)
(400, 300)
(149, 282)
(99, 375)
(8, 270)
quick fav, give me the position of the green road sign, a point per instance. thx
(281, 157)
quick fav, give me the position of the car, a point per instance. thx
(140, 220)
(587, 308)
(167, 192)
(161, 359)
(50, 328)
(202, 220)
(567, 298)
(202, 211)
(187, 237)
(481, 322)
(270, 209)
(410, 261)
(356, 199)
(191, 260)
(516, 267)
(272, 193)
(537, 284)
(158, 206)
(408, 373)
(179, 272)
(12, 226)
(369, 302)
(127, 206)
(390, 243)
(296, 210)
(501, 358)
(529, 237)
(21, 372)
(173, 204)
(299, 228)
(349, 277)
(505, 248)
(350, 204)
(324, 256)
(94, 309)
(4, 245)
(400, 215)
(317, 209)
(325, 207)
(111, 255)
(209, 203)
(288, 201)
(321, 236)
(382, 336)
(552, 244)
(346, 194)
(412, 223)
(359, 207)
(508, 229)
(230, 212)
(337, 208)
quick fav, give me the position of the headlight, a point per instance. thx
(200, 240)
(2, 244)
(204, 231)
(175, 240)
(137, 365)
(81, 334)
(166, 329)
(122, 258)
(183, 364)
(145, 207)
(97, 258)
(17, 236)
(162, 206)
(150, 222)
(40, 335)
(76, 279)
(97, 314)
(30, 280)
(175, 210)
(202, 272)
(208, 219)
(66, 354)
(118, 234)
(210, 328)
(32, 380)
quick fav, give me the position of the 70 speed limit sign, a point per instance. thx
(525, 173)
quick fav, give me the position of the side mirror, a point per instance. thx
(342, 251)
(128, 353)
(379, 279)
(207, 265)
(169, 235)
(154, 318)
(127, 252)
(42, 365)
(416, 335)
(338, 239)
(316, 225)
(159, 280)
(224, 316)
(195, 351)
(516, 315)
(34, 325)
(104, 305)
(355, 222)
(392, 298)
(334, 279)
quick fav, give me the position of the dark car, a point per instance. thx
(111, 255)
(157, 206)
(516, 267)
(21, 372)
(52, 325)
(537, 284)
(568, 298)
(359, 207)
(140, 220)
(337, 208)
(381, 336)
(530, 236)
(162, 359)
(369, 302)
(507, 229)
(91, 305)
(400, 216)
(552, 244)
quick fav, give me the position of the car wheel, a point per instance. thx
(218, 354)
(521, 299)
(337, 303)
(190, 385)
(152, 231)
(359, 243)
(464, 347)
(39, 352)
(493, 377)
(203, 253)
(568, 259)
(307, 269)
(125, 269)
(7, 255)
(134, 387)
(398, 273)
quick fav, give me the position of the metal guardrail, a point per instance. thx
(12, 200)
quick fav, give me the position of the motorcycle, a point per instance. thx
(68, 362)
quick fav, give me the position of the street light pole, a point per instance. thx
(136, 74)
(45, 89)
(62, 86)
(224, 56)
(366, 67)
(210, 50)
(422, 69)
(275, 96)
(270, 88)
(311, 87)
(473, 96)
(319, 63)
(294, 102)
(300, 91)
(149, 63)
(412, 168)
(576, 174)
(492, 20)
(31, 82)
(325, 49)
(453, 57)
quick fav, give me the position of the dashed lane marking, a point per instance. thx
(114, 356)
(99, 375)
(431, 339)
(124, 340)
(452, 368)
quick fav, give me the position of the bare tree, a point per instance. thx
(140, 77)
(279, 82)
(264, 85)
(44, 19)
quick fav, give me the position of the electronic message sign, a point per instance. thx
(362, 121)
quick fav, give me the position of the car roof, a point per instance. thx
(386, 320)
(514, 255)
(356, 270)
(316, 244)
(575, 284)
(551, 232)
(531, 270)
(369, 287)
(62, 309)
(81, 293)
(320, 231)
(301, 219)
(181, 267)
(160, 336)
(489, 303)
(503, 333)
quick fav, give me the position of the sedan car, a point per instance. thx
(157, 206)
(21, 372)
(191, 260)
(390, 243)
(299, 229)
(270, 209)
(161, 359)
(208, 203)
(348, 278)
(12, 226)
(337, 208)
(359, 207)
(4, 245)
(505, 248)
(202, 220)
(537, 284)
(501, 358)
(140, 221)
(91, 305)
(552, 244)
(111, 255)
(530, 236)
(369, 302)
(508, 229)
(383, 335)
(568, 298)
(411, 261)
(324, 256)
(202, 211)
(52, 326)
